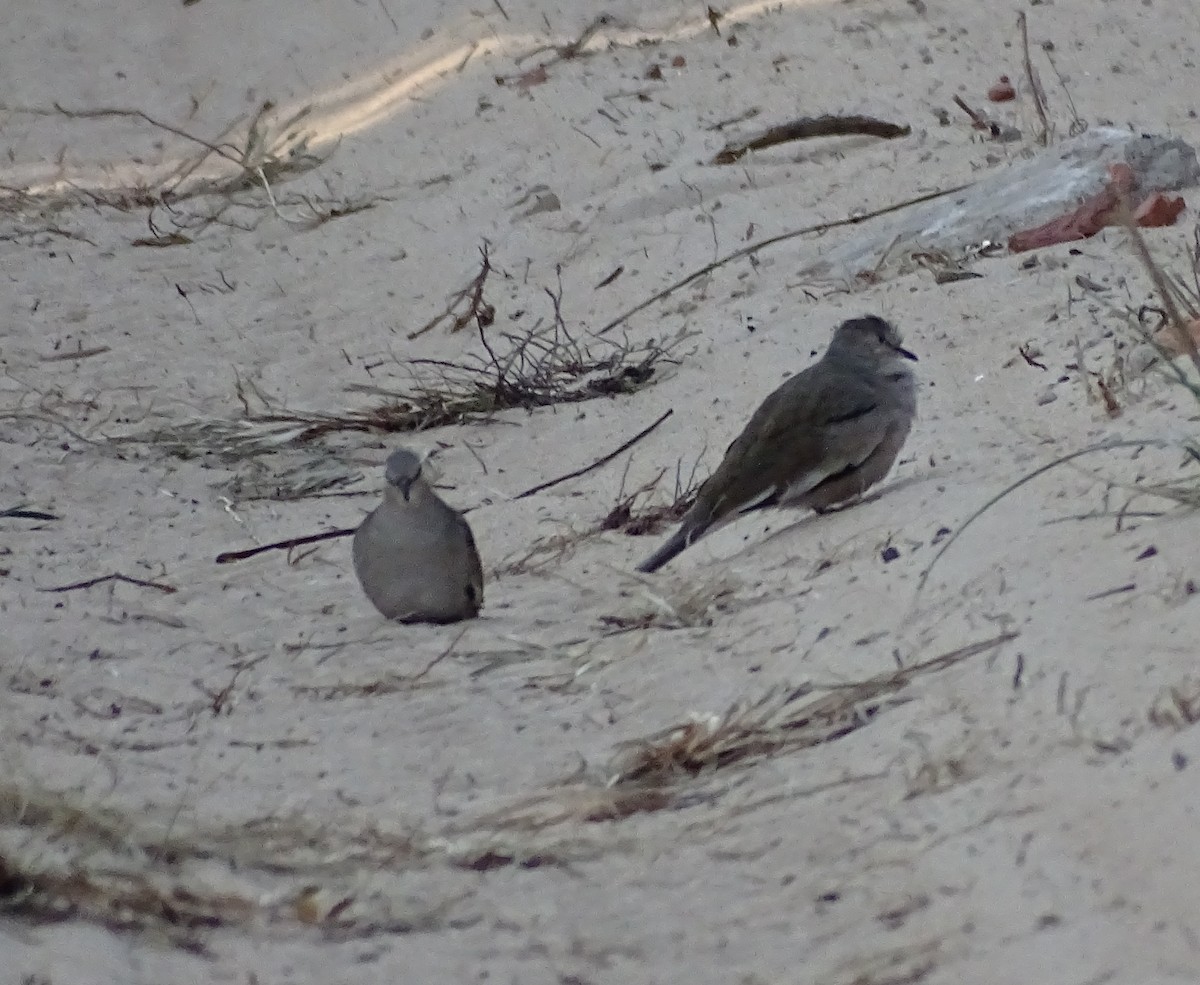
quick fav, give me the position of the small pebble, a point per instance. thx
(1141, 357)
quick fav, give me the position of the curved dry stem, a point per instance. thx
(1062, 460)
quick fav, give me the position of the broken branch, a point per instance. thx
(604, 460)
(115, 576)
(282, 545)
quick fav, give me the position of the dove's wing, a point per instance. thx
(814, 426)
(474, 587)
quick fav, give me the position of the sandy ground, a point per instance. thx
(274, 785)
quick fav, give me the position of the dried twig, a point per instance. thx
(140, 883)
(809, 127)
(650, 520)
(604, 460)
(682, 605)
(1078, 125)
(121, 901)
(570, 50)
(623, 517)
(282, 545)
(265, 156)
(978, 120)
(81, 353)
(477, 308)
(23, 513)
(1029, 477)
(746, 251)
(389, 684)
(115, 576)
(105, 111)
(544, 551)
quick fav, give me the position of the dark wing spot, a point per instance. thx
(860, 411)
(848, 471)
(771, 499)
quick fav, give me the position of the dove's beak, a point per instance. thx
(403, 485)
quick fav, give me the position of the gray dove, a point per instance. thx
(822, 438)
(415, 556)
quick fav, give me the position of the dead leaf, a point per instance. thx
(1158, 210)
(534, 77)
(1002, 91)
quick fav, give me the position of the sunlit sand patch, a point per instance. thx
(315, 125)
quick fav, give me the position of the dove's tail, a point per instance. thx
(690, 531)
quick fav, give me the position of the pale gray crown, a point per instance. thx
(403, 468)
(869, 337)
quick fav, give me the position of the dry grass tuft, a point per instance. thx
(544, 552)
(680, 605)
(121, 872)
(1163, 329)
(576, 802)
(290, 474)
(541, 368)
(1176, 331)
(637, 519)
(92, 866)
(1172, 329)
(116, 871)
(652, 774)
(121, 901)
(246, 159)
(635, 514)
(778, 721)
(1178, 706)
(1179, 300)
(387, 684)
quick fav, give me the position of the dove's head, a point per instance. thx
(402, 470)
(869, 338)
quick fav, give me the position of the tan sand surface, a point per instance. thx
(253, 778)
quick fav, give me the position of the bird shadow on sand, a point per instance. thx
(805, 519)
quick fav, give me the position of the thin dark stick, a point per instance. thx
(809, 127)
(1120, 515)
(1078, 125)
(472, 293)
(978, 120)
(115, 576)
(436, 660)
(56, 357)
(395, 26)
(1120, 589)
(600, 461)
(21, 513)
(87, 114)
(746, 251)
(1039, 96)
(282, 545)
